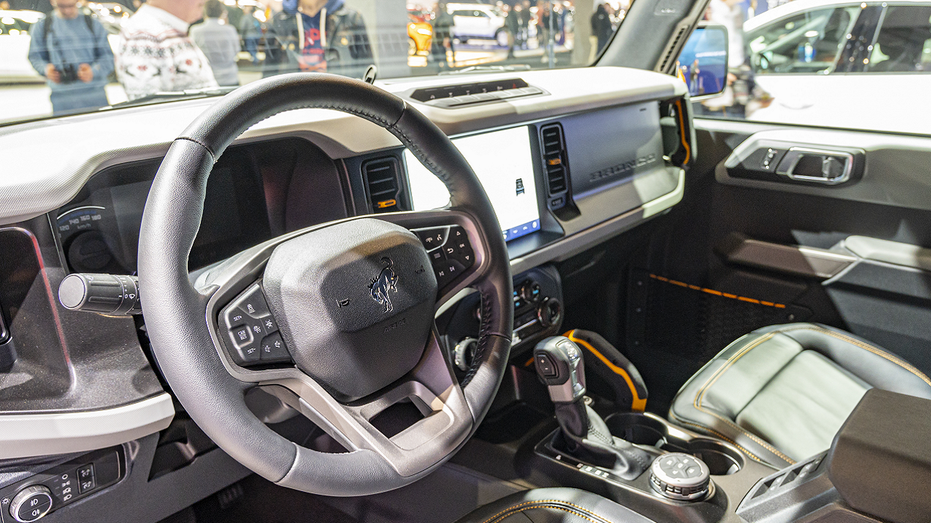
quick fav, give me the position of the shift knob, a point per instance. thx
(560, 365)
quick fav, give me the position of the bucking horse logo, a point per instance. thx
(386, 281)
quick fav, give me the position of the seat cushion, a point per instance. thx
(781, 393)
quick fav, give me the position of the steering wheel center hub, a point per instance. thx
(354, 303)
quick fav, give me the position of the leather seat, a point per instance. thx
(782, 392)
(553, 505)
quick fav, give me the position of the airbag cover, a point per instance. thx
(354, 303)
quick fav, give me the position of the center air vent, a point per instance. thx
(381, 182)
(554, 162)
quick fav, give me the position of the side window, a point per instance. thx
(805, 43)
(904, 41)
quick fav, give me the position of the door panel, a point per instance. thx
(738, 254)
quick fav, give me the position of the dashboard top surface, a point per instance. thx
(44, 181)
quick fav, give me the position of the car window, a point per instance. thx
(125, 51)
(825, 63)
(903, 43)
(805, 43)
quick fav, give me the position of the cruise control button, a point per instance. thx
(274, 349)
(235, 317)
(253, 303)
(248, 354)
(258, 329)
(269, 324)
(241, 336)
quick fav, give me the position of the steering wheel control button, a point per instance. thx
(249, 324)
(273, 349)
(680, 476)
(433, 238)
(242, 336)
(31, 503)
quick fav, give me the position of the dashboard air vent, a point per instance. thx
(554, 159)
(381, 182)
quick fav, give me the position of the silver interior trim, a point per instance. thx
(791, 259)
(896, 253)
(27, 435)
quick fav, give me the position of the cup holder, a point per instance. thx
(649, 430)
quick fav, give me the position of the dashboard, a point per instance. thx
(568, 161)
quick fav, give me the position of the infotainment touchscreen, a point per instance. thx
(504, 164)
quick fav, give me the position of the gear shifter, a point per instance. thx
(560, 365)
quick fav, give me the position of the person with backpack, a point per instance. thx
(317, 36)
(71, 51)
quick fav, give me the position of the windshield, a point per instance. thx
(60, 57)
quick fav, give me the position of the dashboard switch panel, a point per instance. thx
(252, 331)
(37, 496)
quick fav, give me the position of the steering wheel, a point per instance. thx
(352, 303)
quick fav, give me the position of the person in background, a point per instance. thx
(317, 36)
(444, 50)
(155, 54)
(512, 22)
(219, 42)
(251, 31)
(71, 51)
(234, 15)
(525, 17)
(601, 27)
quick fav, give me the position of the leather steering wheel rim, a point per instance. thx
(175, 311)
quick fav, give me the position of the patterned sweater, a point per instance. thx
(155, 54)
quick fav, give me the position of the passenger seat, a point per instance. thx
(782, 392)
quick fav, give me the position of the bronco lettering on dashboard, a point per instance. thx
(615, 170)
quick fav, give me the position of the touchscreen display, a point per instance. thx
(504, 164)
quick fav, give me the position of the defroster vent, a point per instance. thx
(555, 164)
(381, 181)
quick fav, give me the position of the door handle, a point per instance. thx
(816, 165)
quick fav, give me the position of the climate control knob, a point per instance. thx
(549, 312)
(31, 503)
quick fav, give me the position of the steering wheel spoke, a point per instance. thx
(454, 244)
(419, 416)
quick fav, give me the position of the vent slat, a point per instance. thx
(554, 159)
(381, 181)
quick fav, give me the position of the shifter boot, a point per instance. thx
(583, 434)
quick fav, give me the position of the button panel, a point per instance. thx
(450, 251)
(61, 485)
(252, 331)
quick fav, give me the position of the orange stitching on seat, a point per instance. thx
(573, 512)
(697, 402)
(511, 510)
(875, 350)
